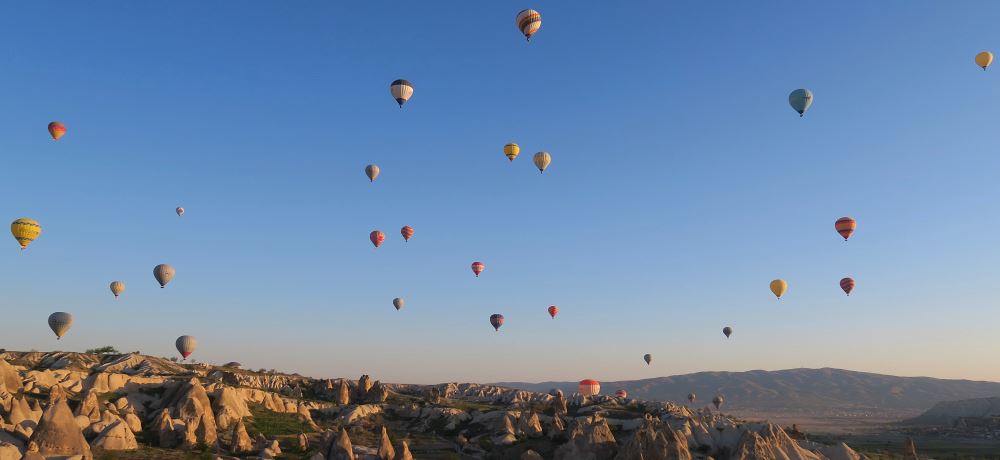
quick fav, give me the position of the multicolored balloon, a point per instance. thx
(401, 90)
(407, 232)
(648, 358)
(845, 227)
(621, 394)
(179, 211)
(984, 59)
(57, 130)
(728, 331)
(377, 237)
(847, 284)
(163, 274)
(496, 320)
(185, 345)
(117, 287)
(372, 171)
(528, 22)
(589, 387)
(478, 267)
(60, 322)
(800, 100)
(778, 287)
(553, 311)
(398, 303)
(25, 231)
(542, 160)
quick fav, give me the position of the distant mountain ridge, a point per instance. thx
(795, 390)
(947, 412)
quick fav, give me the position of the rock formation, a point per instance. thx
(364, 384)
(57, 432)
(239, 440)
(404, 452)
(588, 439)
(910, 450)
(341, 449)
(343, 393)
(117, 436)
(385, 450)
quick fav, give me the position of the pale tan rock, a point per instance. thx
(364, 384)
(649, 443)
(770, 441)
(9, 377)
(385, 450)
(9, 451)
(57, 433)
(404, 453)
(839, 451)
(532, 455)
(165, 429)
(118, 436)
(229, 407)
(133, 421)
(303, 442)
(31, 453)
(559, 404)
(529, 425)
(378, 393)
(240, 442)
(343, 393)
(341, 449)
(588, 439)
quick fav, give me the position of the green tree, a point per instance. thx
(105, 350)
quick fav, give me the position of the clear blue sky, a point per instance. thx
(681, 184)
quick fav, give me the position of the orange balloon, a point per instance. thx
(57, 130)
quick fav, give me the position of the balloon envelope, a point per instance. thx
(542, 160)
(179, 211)
(398, 302)
(845, 227)
(800, 100)
(57, 130)
(589, 387)
(847, 284)
(117, 287)
(511, 151)
(407, 232)
(621, 394)
(718, 400)
(163, 274)
(648, 358)
(478, 267)
(25, 231)
(372, 171)
(377, 237)
(778, 287)
(185, 345)
(553, 311)
(692, 397)
(728, 331)
(984, 59)
(401, 90)
(60, 322)
(528, 22)
(496, 320)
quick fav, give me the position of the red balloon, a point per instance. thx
(847, 284)
(478, 267)
(845, 226)
(377, 238)
(407, 232)
(553, 310)
(496, 320)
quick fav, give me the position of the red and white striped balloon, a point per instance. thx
(589, 387)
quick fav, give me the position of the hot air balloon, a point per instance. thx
(511, 151)
(528, 22)
(542, 160)
(692, 397)
(847, 284)
(718, 400)
(60, 322)
(57, 130)
(185, 345)
(377, 237)
(845, 227)
(401, 90)
(589, 387)
(984, 59)
(117, 287)
(398, 303)
(800, 100)
(163, 274)
(648, 358)
(407, 232)
(621, 394)
(728, 331)
(372, 172)
(179, 211)
(553, 311)
(778, 287)
(25, 231)
(478, 267)
(496, 320)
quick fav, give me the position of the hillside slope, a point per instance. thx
(796, 390)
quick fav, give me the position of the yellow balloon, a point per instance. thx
(984, 59)
(511, 151)
(25, 231)
(778, 287)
